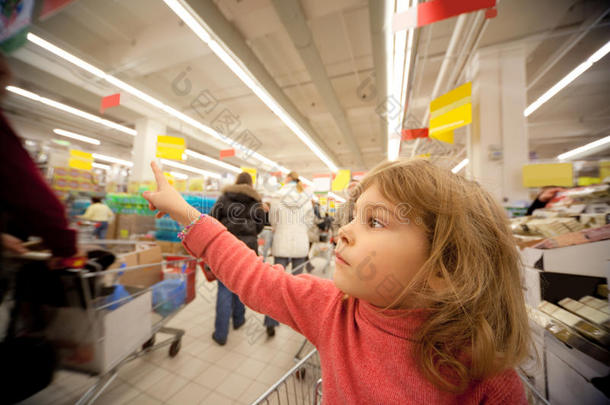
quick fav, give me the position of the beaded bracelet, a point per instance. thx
(182, 233)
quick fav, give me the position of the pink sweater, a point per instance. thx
(366, 357)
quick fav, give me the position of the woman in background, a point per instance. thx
(239, 208)
(290, 216)
(100, 213)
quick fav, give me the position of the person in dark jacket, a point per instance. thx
(239, 208)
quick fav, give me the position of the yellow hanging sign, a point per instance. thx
(450, 111)
(170, 147)
(548, 174)
(252, 172)
(80, 160)
(341, 180)
(424, 156)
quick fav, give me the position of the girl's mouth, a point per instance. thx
(340, 259)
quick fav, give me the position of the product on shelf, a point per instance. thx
(576, 238)
(596, 303)
(166, 229)
(123, 203)
(586, 312)
(587, 329)
(65, 180)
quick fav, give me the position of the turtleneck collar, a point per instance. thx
(402, 323)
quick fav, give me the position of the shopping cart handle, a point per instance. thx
(34, 256)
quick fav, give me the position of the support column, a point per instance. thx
(497, 139)
(145, 147)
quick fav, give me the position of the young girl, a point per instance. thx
(426, 305)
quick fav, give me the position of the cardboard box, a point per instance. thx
(589, 259)
(147, 276)
(173, 248)
(132, 224)
(111, 232)
(146, 253)
(95, 341)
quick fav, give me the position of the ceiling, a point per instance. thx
(145, 44)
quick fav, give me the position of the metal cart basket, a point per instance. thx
(301, 385)
(107, 324)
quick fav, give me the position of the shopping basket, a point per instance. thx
(183, 265)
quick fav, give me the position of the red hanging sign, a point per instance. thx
(436, 10)
(408, 134)
(110, 101)
(227, 153)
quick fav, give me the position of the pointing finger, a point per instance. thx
(159, 176)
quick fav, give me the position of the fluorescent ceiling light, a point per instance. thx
(100, 166)
(76, 136)
(71, 110)
(398, 78)
(30, 143)
(188, 17)
(179, 175)
(216, 162)
(188, 168)
(584, 149)
(142, 95)
(569, 78)
(111, 159)
(460, 166)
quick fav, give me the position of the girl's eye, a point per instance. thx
(375, 223)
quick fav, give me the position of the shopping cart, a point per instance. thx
(85, 230)
(302, 384)
(104, 324)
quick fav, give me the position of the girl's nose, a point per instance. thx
(345, 235)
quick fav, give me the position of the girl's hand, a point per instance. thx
(167, 200)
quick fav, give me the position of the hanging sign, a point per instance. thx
(110, 101)
(450, 111)
(548, 174)
(341, 180)
(409, 134)
(227, 153)
(170, 147)
(80, 160)
(436, 10)
(321, 182)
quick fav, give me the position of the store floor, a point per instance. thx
(202, 373)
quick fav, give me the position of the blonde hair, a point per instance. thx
(294, 176)
(477, 324)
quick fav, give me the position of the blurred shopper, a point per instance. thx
(28, 207)
(101, 214)
(239, 208)
(291, 214)
(267, 233)
(546, 195)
